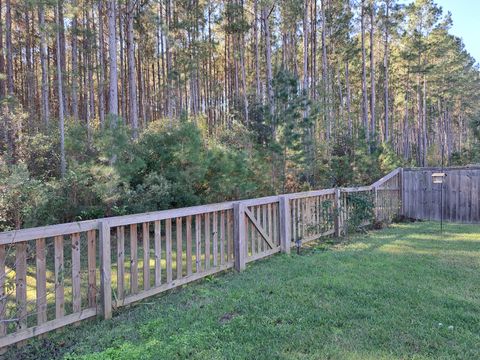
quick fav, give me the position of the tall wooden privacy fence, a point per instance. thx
(61, 274)
(460, 198)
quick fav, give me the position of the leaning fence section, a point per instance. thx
(56, 275)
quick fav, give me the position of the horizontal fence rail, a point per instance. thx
(57, 275)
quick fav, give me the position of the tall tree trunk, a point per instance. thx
(305, 47)
(268, 57)
(2, 58)
(258, 89)
(123, 81)
(244, 79)
(419, 134)
(91, 92)
(424, 122)
(347, 84)
(244, 72)
(385, 64)
(61, 120)
(8, 45)
(132, 83)
(364, 74)
(168, 58)
(372, 72)
(43, 60)
(326, 108)
(112, 50)
(74, 75)
(63, 56)
(314, 82)
(29, 88)
(101, 60)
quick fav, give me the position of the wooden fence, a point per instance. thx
(461, 194)
(56, 275)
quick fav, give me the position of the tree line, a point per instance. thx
(313, 91)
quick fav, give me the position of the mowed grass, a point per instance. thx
(405, 292)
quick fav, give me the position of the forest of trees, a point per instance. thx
(117, 106)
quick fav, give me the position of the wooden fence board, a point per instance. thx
(92, 267)
(188, 228)
(133, 259)
(215, 238)
(146, 255)
(168, 249)
(222, 237)
(158, 252)
(76, 290)
(41, 278)
(198, 242)
(121, 262)
(21, 284)
(179, 250)
(461, 202)
(59, 278)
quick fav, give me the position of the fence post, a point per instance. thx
(285, 224)
(105, 270)
(338, 215)
(239, 235)
(375, 202)
(402, 193)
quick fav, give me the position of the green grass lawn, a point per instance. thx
(400, 293)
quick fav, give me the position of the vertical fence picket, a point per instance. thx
(146, 255)
(76, 291)
(229, 236)
(188, 228)
(105, 270)
(133, 259)
(120, 262)
(275, 224)
(270, 222)
(215, 238)
(21, 284)
(158, 253)
(222, 237)
(41, 279)
(252, 239)
(168, 249)
(179, 252)
(92, 268)
(207, 240)
(198, 246)
(59, 277)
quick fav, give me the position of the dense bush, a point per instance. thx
(168, 166)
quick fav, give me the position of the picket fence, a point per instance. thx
(57, 275)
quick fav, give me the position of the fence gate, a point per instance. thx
(262, 230)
